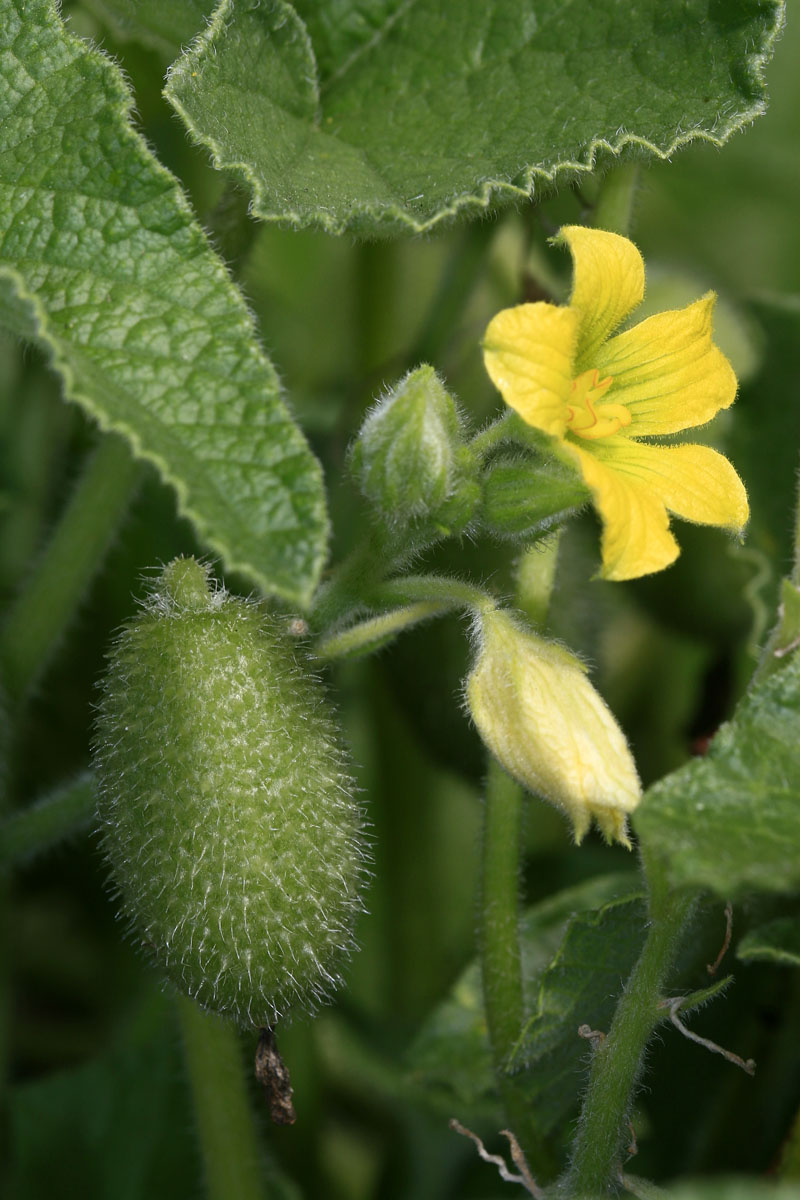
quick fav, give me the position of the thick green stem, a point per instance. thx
(49, 599)
(618, 1060)
(501, 962)
(225, 1127)
(46, 823)
(369, 562)
(614, 208)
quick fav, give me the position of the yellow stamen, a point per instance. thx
(587, 418)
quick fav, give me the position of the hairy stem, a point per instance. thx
(501, 961)
(225, 1126)
(441, 589)
(617, 1063)
(50, 597)
(377, 631)
(368, 562)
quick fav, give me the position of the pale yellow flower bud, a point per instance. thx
(540, 716)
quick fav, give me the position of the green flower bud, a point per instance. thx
(523, 498)
(226, 804)
(541, 718)
(409, 457)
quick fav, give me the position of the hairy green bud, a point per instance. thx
(409, 458)
(226, 805)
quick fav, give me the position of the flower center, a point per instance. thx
(587, 418)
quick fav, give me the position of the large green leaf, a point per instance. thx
(102, 263)
(731, 821)
(572, 970)
(384, 116)
(580, 987)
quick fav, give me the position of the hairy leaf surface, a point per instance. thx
(103, 264)
(393, 115)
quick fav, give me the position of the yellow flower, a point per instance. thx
(541, 718)
(598, 395)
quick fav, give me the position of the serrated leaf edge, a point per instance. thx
(51, 343)
(73, 392)
(489, 190)
(590, 917)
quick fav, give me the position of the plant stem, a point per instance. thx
(617, 1062)
(510, 427)
(614, 208)
(225, 1127)
(784, 640)
(536, 574)
(371, 559)
(501, 961)
(50, 597)
(377, 631)
(49, 821)
(440, 589)
(499, 431)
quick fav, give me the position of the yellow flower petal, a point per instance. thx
(668, 372)
(608, 283)
(694, 482)
(528, 352)
(636, 538)
(540, 716)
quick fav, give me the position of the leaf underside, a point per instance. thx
(103, 264)
(381, 116)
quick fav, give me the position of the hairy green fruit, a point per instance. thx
(226, 806)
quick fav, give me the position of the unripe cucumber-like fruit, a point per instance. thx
(227, 810)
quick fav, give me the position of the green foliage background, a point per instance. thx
(99, 1103)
